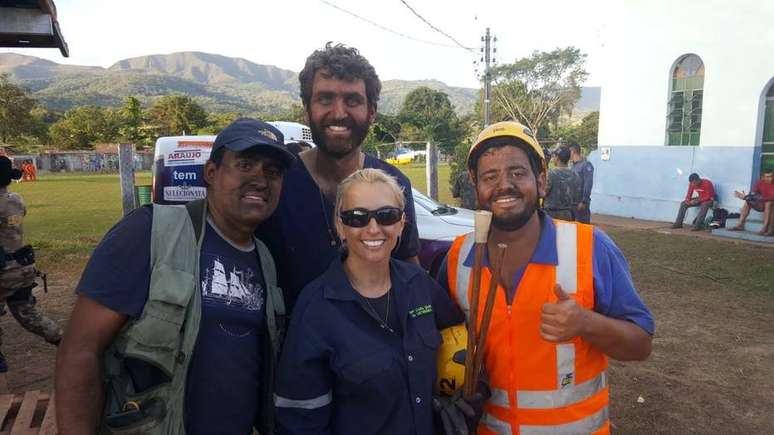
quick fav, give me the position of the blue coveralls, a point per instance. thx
(342, 373)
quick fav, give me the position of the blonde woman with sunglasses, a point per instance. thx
(360, 356)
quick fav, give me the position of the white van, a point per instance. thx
(178, 163)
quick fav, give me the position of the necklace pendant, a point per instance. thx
(333, 243)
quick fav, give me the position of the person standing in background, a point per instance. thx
(585, 171)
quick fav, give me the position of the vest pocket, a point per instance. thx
(155, 337)
(140, 420)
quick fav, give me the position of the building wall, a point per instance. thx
(645, 178)
(648, 182)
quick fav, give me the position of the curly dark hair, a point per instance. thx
(342, 63)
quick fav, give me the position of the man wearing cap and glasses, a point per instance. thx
(178, 317)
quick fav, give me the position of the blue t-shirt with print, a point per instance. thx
(223, 386)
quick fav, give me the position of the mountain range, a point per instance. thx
(218, 83)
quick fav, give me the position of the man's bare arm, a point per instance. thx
(78, 384)
(616, 338)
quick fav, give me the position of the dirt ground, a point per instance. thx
(711, 367)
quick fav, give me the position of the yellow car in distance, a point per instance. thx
(403, 157)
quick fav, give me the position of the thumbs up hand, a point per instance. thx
(564, 319)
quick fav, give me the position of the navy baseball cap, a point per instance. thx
(245, 133)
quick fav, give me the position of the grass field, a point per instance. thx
(416, 173)
(68, 214)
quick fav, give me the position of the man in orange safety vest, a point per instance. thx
(565, 298)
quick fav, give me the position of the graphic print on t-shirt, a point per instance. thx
(226, 282)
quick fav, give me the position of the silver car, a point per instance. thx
(438, 225)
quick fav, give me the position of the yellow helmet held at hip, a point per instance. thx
(451, 360)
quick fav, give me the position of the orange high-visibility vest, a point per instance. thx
(538, 387)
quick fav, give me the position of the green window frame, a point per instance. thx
(767, 146)
(686, 98)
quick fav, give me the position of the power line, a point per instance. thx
(435, 28)
(387, 29)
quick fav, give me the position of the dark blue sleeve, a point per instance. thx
(409, 240)
(443, 274)
(447, 313)
(270, 233)
(304, 387)
(118, 272)
(614, 293)
(588, 181)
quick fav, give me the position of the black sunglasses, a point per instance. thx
(360, 217)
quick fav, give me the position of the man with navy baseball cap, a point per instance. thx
(245, 133)
(177, 323)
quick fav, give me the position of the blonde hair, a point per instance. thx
(369, 176)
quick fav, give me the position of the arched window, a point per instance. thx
(685, 100)
(767, 147)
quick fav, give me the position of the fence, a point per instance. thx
(84, 161)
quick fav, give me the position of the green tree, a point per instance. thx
(82, 127)
(218, 121)
(584, 133)
(535, 90)
(458, 160)
(16, 119)
(131, 117)
(428, 115)
(295, 113)
(174, 115)
(384, 130)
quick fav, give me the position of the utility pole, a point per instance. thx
(126, 169)
(487, 76)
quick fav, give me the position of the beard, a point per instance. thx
(339, 148)
(514, 221)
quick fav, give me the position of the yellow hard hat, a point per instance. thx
(506, 129)
(451, 359)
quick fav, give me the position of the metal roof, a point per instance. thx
(30, 23)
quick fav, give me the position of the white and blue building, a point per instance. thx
(689, 87)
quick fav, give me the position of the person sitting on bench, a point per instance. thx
(761, 198)
(706, 196)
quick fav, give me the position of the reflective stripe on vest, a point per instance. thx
(567, 254)
(587, 425)
(562, 397)
(552, 398)
(496, 425)
(463, 275)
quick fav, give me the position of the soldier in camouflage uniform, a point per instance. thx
(17, 276)
(564, 187)
(464, 190)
